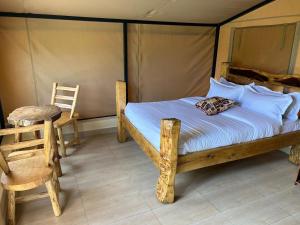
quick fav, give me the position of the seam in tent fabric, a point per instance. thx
(32, 63)
(138, 59)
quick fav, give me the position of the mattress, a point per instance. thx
(199, 131)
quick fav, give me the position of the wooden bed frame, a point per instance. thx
(169, 162)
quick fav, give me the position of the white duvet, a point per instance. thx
(199, 131)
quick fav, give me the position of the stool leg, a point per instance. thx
(37, 134)
(61, 142)
(53, 197)
(11, 207)
(18, 136)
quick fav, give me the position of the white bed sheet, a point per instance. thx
(199, 131)
(289, 126)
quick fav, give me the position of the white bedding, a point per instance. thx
(289, 126)
(199, 131)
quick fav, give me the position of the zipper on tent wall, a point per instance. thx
(214, 64)
(125, 55)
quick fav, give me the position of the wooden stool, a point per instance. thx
(30, 115)
(69, 116)
(27, 169)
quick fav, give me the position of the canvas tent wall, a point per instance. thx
(79, 46)
(91, 54)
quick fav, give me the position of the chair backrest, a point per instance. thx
(48, 141)
(70, 99)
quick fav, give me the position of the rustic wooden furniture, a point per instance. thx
(25, 168)
(170, 163)
(298, 178)
(68, 116)
(30, 115)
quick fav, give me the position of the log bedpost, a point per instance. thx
(294, 156)
(120, 106)
(169, 138)
(225, 69)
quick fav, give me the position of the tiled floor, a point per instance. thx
(105, 182)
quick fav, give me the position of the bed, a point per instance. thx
(166, 131)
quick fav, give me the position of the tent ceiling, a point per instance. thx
(195, 11)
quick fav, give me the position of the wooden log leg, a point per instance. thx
(120, 107)
(11, 207)
(57, 166)
(122, 136)
(56, 181)
(294, 156)
(53, 197)
(298, 178)
(169, 137)
(76, 132)
(56, 156)
(61, 142)
(18, 136)
(37, 135)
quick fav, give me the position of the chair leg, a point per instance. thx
(56, 181)
(61, 142)
(76, 132)
(11, 207)
(57, 166)
(53, 197)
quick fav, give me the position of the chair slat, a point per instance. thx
(24, 155)
(63, 97)
(31, 197)
(65, 106)
(28, 129)
(22, 145)
(62, 88)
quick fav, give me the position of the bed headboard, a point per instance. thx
(277, 82)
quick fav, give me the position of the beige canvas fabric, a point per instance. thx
(85, 53)
(165, 62)
(169, 62)
(203, 11)
(267, 48)
(16, 80)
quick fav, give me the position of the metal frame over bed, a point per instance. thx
(169, 162)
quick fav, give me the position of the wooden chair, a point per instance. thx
(69, 116)
(25, 167)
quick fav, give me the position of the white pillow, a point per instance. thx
(224, 81)
(265, 90)
(270, 105)
(292, 111)
(218, 89)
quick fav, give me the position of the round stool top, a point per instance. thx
(30, 115)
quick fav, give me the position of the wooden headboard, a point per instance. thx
(285, 83)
